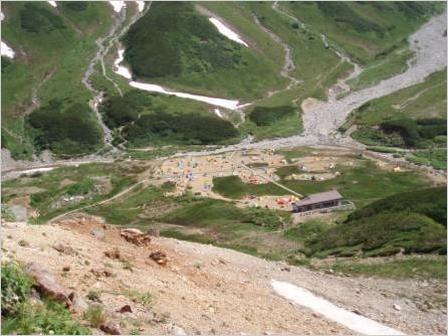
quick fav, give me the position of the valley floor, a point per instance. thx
(206, 290)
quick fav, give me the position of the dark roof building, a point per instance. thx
(321, 200)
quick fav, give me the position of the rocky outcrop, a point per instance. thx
(110, 328)
(46, 284)
(159, 257)
(136, 237)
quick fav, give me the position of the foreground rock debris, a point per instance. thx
(204, 289)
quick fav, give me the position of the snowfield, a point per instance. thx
(7, 51)
(355, 322)
(227, 32)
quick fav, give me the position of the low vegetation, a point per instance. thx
(21, 315)
(265, 116)
(409, 222)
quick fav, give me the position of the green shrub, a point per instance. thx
(179, 128)
(77, 6)
(407, 128)
(265, 116)
(95, 315)
(35, 18)
(84, 187)
(16, 286)
(65, 129)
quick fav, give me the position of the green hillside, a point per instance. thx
(373, 33)
(412, 222)
(174, 45)
(53, 47)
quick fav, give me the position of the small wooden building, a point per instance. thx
(317, 201)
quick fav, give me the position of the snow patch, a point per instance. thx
(7, 51)
(2, 16)
(355, 322)
(140, 5)
(226, 103)
(37, 170)
(227, 32)
(120, 69)
(53, 3)
(117, 5)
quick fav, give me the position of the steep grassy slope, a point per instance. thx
(174, 45)
(53, 47)
(372, 33)
(414, 117)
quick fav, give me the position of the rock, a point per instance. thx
(101, 273)
(78, 303)
(46, 283)
(65, 249)
(125, 309)
(66, 269)
(110, 328)
(159, 257)
(136, 237)
(285, 269)
(397, 307)
(98, 233)
(113, 254)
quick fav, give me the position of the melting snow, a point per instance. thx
(355, 322)
(6, 50)
(117, 5)
(227, 32)
(140, 5)
(53, 3)
(120, 69)
(230, 104)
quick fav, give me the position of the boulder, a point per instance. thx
(110, 328)
(78, 303)
(46, 283)
(125, 309)
(136, 237)
(65, 249)
(159, 257)
(98, 233)
(113, 254)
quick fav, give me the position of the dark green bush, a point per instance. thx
(66, 130)
(407, 128)
(77, 6)
(123, 110)
(181, 128)
(264, 116)
(34, 18)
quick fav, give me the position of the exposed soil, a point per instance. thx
(205, 289)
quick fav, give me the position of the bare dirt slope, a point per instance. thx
(205, 289)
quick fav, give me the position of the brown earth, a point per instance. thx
(205, 289)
